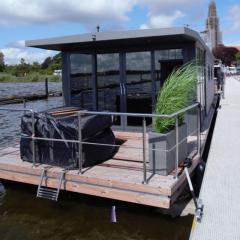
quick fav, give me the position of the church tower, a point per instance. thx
(213, 34)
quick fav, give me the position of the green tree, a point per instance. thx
(22, 61)
(238, 57)
(2, 63)
(52, 63)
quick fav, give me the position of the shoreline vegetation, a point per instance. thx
(30, 72)
(31, 77)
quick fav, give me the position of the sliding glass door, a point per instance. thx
(109, 87)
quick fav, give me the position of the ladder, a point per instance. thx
(47, 192)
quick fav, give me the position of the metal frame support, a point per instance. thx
(177, 148)
(197, 202)
(144, 131)
(80, 143)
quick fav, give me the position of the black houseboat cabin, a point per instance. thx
(123, 71)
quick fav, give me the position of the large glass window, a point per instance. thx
(81, 81)
(108, 82)
(138, 84)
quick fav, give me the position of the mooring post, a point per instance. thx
(46, 87)
(24, 103)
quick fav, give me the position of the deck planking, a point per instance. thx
(119, 178)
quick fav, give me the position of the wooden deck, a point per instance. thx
(119, 178)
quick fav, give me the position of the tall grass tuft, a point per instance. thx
(178, 91)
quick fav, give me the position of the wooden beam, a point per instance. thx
(84, 188)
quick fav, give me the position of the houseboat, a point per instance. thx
(120, 74)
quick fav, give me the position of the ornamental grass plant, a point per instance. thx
(178, 92)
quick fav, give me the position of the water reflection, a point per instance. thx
(77, 216)
(2, 193)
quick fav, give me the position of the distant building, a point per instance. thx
(57, 72)
(212, 35)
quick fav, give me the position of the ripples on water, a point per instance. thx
(75, 216)
(7, 89)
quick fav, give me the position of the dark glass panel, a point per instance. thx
(165, 62)
(138, 85)
(81, 81)
(108, 83)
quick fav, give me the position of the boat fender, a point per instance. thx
(199, 173)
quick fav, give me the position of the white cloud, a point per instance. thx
(165, 13)
(83, 11)
(89, 13)
(168, 6)
(234, 17)
(13, 55)
(162, 20)
(18, 44)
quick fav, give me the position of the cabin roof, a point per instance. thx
(115, 38)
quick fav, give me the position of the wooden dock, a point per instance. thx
(27, 98)
(119, 178)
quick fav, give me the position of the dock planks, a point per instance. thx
(119, 178)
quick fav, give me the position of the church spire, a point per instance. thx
(212, 26)
(212, 10)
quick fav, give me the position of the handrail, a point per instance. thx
(81, 141)
(120, 113)
(141, 114)
(17, 110)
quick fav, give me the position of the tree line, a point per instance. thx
(47, 67)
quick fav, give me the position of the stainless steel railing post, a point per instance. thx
(177, 147)
(33, 140)
(198, 129)
(80, 143)
(144, 151)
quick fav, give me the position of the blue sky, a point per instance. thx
(32, 19)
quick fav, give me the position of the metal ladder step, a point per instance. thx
(47, 192)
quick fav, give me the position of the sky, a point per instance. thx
(22, 20)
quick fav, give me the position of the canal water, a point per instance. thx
(74, 216)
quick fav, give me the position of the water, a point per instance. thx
(74, 216)
(7, 89)
(10, 121)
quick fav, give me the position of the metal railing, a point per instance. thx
(81, 142)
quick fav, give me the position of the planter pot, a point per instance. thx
(162, 160)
